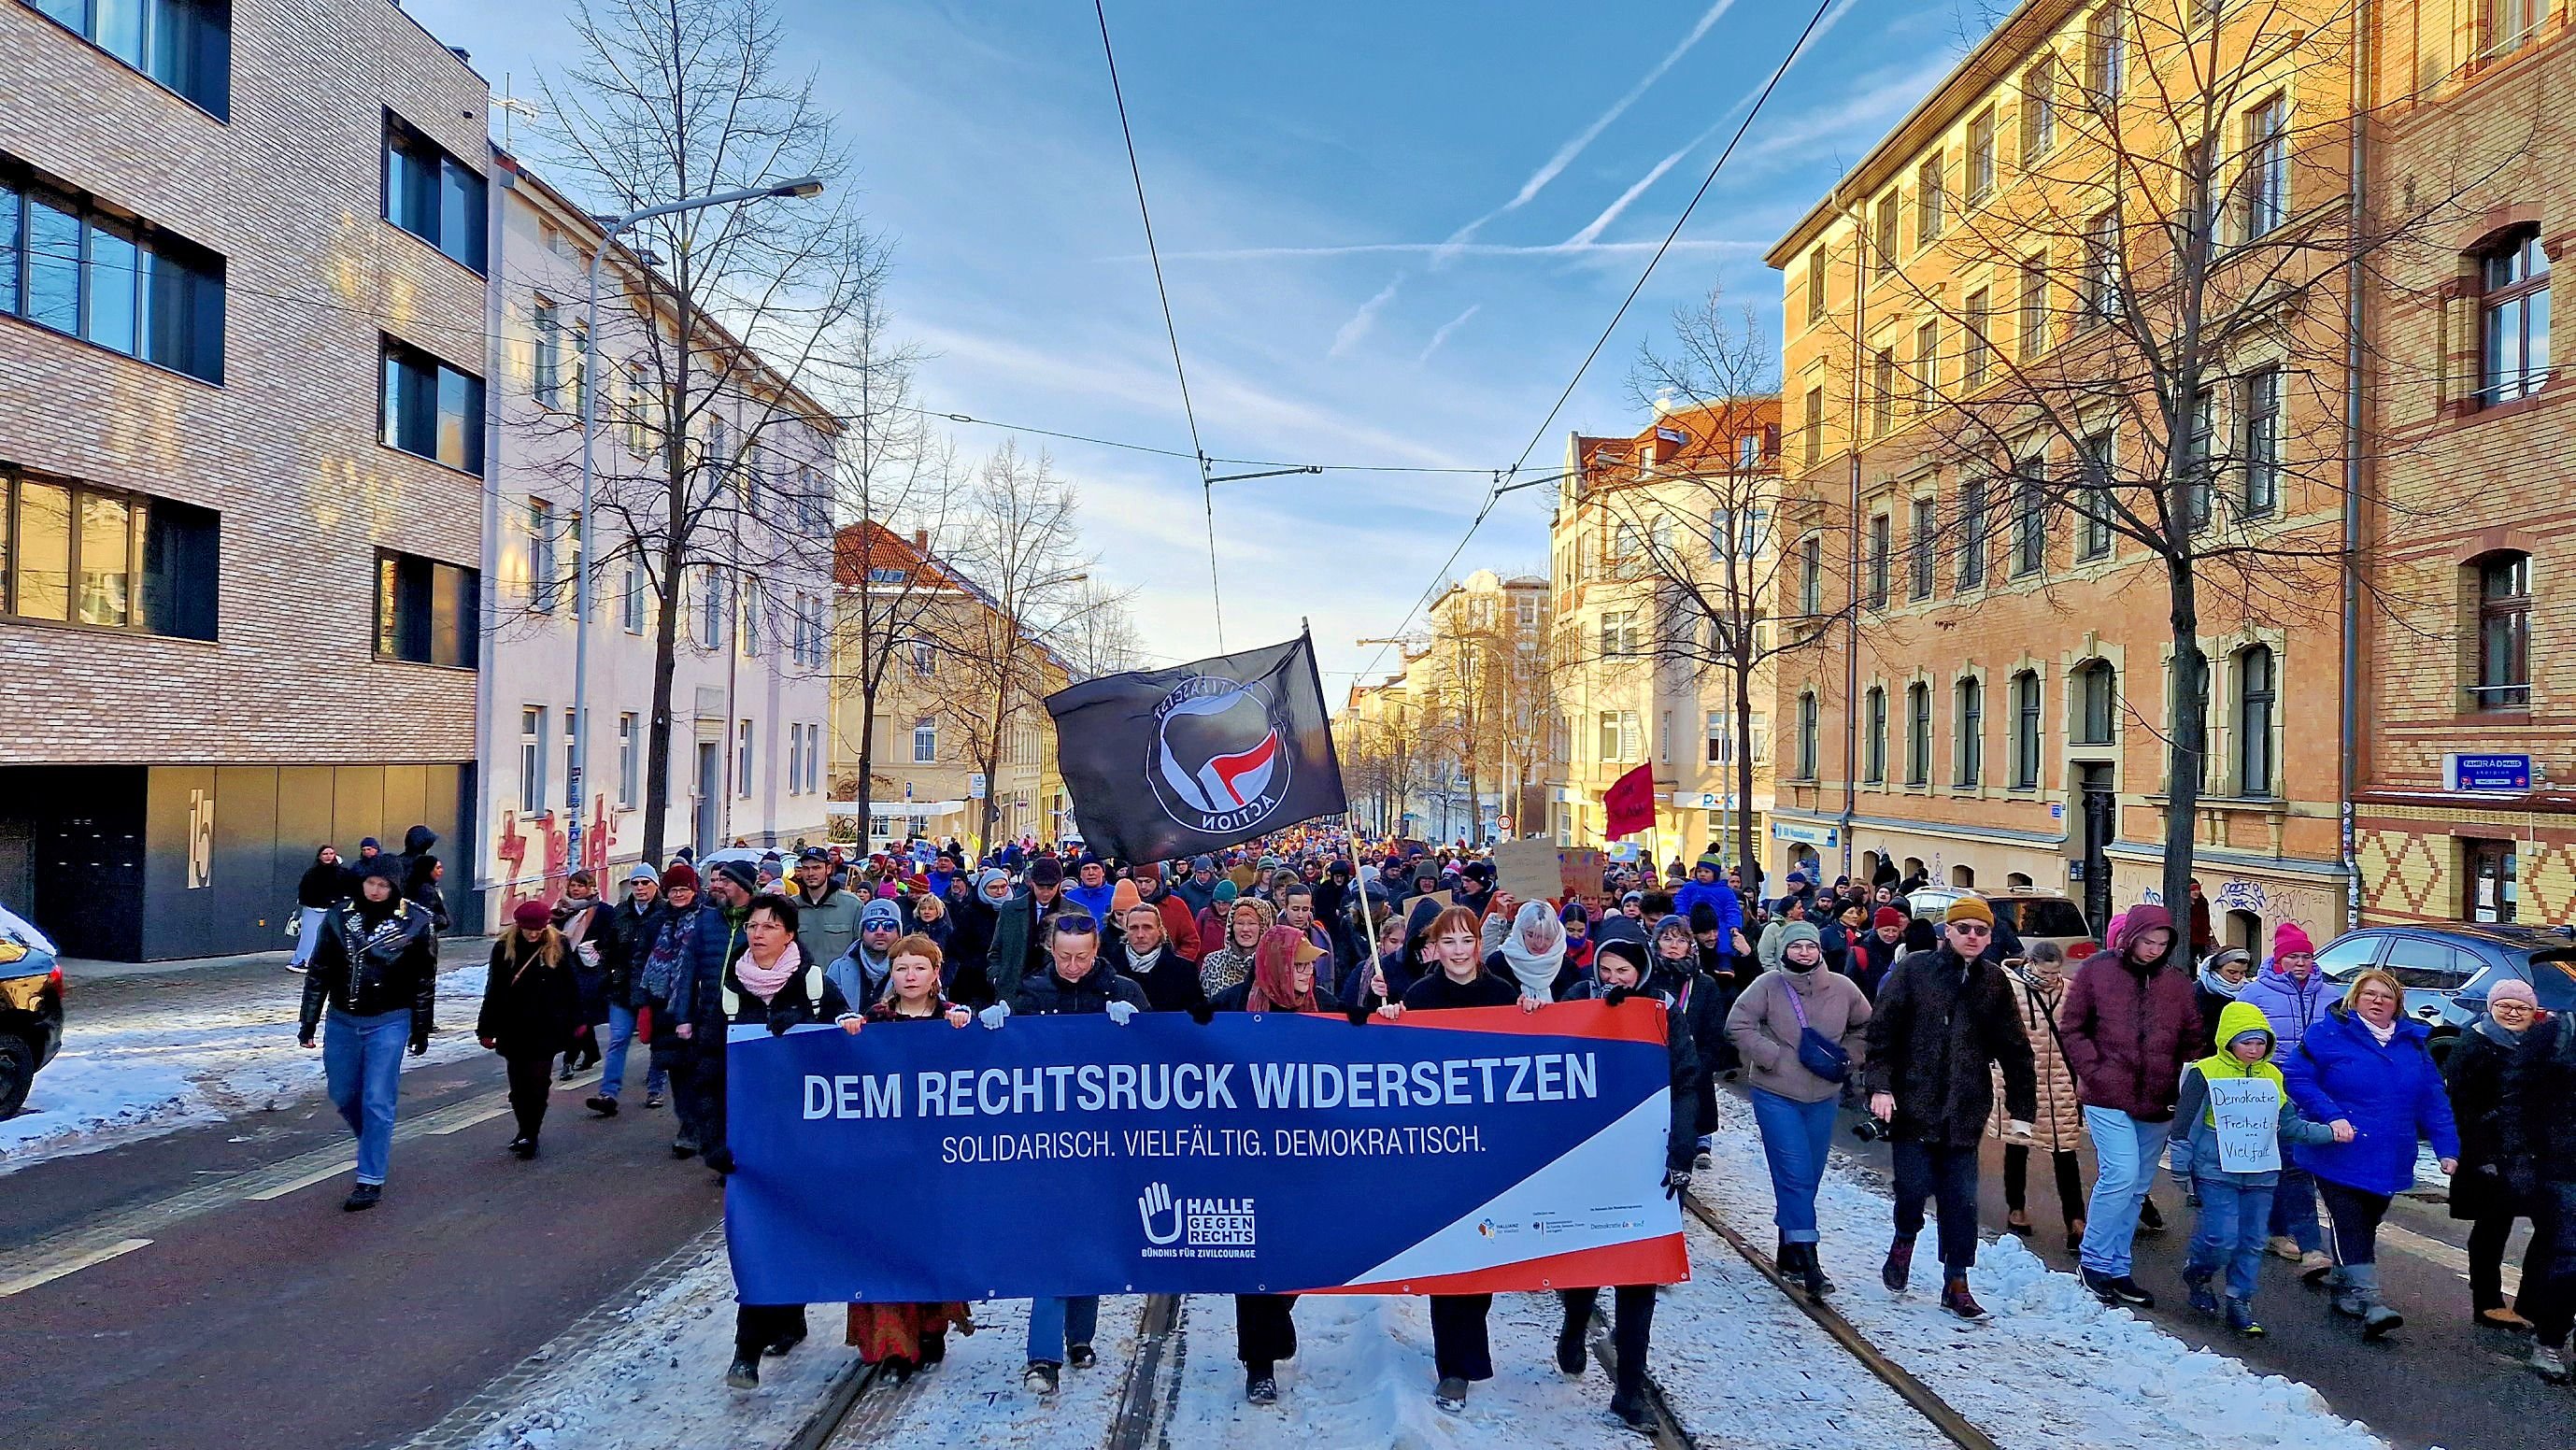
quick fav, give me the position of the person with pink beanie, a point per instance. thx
(2293, 995)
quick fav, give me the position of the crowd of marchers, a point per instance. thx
(1942, 1029)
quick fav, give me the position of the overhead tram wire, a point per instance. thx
(1503, 483)
(1207, 489)
(942, 413)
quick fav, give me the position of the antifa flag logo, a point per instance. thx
(1220, 761)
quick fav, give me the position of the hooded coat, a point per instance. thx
(2291, 1006)
(2391, 1095)
(2128, 1026)
(420, 872)
(322, 883)
(2195, 1132)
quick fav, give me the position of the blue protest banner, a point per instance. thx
(1457, 1152)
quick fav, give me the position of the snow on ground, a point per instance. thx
(166, 1060)
(975, 1398)
(2054, 1366)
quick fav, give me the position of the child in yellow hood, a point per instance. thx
(2227, 1134)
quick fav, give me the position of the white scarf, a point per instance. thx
(1535, 971)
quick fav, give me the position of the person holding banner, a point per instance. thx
(1230, 965)
(909, 1337)
(1060, 1330)
(775, 984)
(1460, 1351)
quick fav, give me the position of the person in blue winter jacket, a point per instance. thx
(2365, 1073)
(1704, 886)
(2291, 994)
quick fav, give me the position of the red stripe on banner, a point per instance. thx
(1636, 1020)
(1664, 1259)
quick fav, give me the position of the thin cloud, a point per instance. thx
(1446, 328)
(1361, 321)
(1567, 248)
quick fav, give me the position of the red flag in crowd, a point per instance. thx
(1630, 803)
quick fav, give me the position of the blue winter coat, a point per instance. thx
(1721, 899)
(2391, 1095)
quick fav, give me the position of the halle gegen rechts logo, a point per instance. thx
(1195, 1228)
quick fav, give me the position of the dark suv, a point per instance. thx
(2446, 970)
(31, 1008)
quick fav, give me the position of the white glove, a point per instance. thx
(1119, 1012)
(994, 1016)
(2017, 1129)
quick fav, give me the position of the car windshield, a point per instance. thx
(2043, 916)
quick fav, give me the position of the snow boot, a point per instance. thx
(1635, 1414)
(2240, 1317)
(1260, 1387)
(745, 1374)
(1811, 1272)
(2151, 1219)
(1040, 1377)
(2201, 1299)
(2359, 1298)
(2549, 1362)
(1899, 1267)
(1956, 1298)
(363, 1197)
(1569, 1348)
(1450, 1396)
(1080, 1356)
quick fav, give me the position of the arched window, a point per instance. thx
(1972, 730)
(1807, 736)
(2256, 689)
(2244, 929)
(1868, 866)
(1873, 769)
(2097, 693)
(1963, 876)
(2016, 881)
(1918, 734)
(1914, 868)
(2513, 317)
(2025, 749)
(2504, 632)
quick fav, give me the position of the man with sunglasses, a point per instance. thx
(1942, 1017)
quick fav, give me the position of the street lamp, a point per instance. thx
(609, 226)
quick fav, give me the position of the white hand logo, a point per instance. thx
(1157, 1199)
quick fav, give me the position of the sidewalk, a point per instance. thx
(451, 950)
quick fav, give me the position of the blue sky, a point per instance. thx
(1390, 234)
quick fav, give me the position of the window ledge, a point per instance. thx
(479, 273)
(376, 657)
(104, 350)
(475, 474)
(122, 631)
(2250, 805)
(2468, 410)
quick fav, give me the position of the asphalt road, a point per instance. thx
(2439, 1381)
(278, 1320)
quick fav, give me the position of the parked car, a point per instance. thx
(31, 1008)
(2448, 969)
(2033, 914)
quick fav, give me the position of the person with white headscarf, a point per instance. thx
(1532, 952)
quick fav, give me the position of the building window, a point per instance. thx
(431, 409)
(1811, 575)
(1981, 155)
(1815, 430)
(2106, 55)
(1816, 285)
(2025, 752)
(630, 747)
(532, 759)
(1976, 345)
(84, 555)
(1721, 739)
(2093, 492)
(1807, 736)
(2510, 25)
(1972, 731)
(1930, 203)
(752, 604)
(1878, 546)
(184, 45)
(2096, 701)
(549, 378)
(1918, 734)
(2099, 293)
(2264, 186)
(544, 582)
(630, 599)
(2255, 692)
(2513, 318)
(431, 194)
(925, 656)
(2030, 521)
(713, 610)
(2034, 307)
(1927, 364)
(1619, 633)
(2262, 446)
(1918, 548)
(571, 744)
(2039, 110)
(426, 611)
(2504, 633)
(1884, 240)
(2198, 461)
(1873, 737)
(925, 739)
(1974, 527)
(795, 757)
(742, 760)
(1882, 392)
(126, 286)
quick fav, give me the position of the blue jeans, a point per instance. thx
(2294, 1208)
(362, 1063)
(1054, 1322)
(1795, 1136)
(2230, 1232)
(612, 1065)
(2125, 1150)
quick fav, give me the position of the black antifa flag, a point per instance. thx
(1165, 764)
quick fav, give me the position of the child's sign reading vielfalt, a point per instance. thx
(2246, 1111)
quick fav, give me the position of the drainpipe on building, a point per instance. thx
(2348, 702)
(1851, 450)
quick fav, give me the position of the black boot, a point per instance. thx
(1899, 1267)
(745, 1374)
(1569, 1347)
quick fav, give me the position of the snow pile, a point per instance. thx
(2054, 1366)
(163, 1062)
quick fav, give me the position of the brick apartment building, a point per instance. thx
(242, 258)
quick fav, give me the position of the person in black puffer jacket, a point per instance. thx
(590, 938)
(531, 1004)
(320, 888)
(2474, 1076)
(377, 972)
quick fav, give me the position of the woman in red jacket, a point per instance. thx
(2127, 1025)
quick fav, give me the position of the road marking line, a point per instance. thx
(320, 1175)
(2455, 1260)
(461, 1124)
(71, 1265)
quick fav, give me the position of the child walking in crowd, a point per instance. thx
(2228, 1129)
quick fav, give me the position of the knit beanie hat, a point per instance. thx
(1969, 908)
(529, 915)
(740, 873)
(1887, 916)
(679, 874)
(1797, 931)
(1121, 897)
(2513, 989)
(2290, 937)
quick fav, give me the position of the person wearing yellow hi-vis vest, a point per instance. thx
(2228, 1129)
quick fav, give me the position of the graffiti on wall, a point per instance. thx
(544, 836)
(2269, 903)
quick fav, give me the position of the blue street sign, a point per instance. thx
(2486, 773)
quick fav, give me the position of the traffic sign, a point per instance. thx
(975, 786)
(2485, 773)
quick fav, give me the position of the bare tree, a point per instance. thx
(1099, 635)
(706, 472)
(2148, 329)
